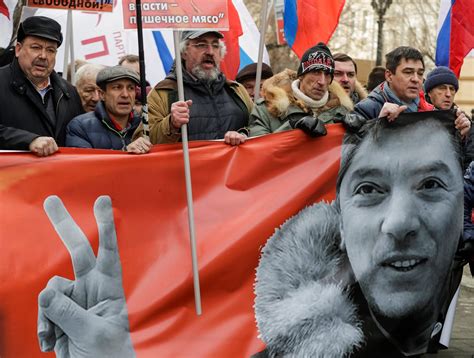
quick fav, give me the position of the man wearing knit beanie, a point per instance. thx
(306, 99)
(441, 86)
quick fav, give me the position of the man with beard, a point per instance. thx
(214, 108)
(36, 102)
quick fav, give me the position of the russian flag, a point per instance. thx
(456, 33)
(307, 22)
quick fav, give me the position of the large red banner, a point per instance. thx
(241, 194)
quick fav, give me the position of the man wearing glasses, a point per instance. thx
(214, 107)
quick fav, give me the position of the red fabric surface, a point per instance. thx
(241, 194)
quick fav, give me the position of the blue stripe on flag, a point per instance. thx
(444, 41)
(163, 50)
(290, 21)
(244, 59)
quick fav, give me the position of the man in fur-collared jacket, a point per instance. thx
(307, 99)
(369, 275)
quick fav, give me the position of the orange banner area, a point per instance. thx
(83, 5)
(241, 194)
(178, 14)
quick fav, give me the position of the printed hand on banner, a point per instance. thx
(86, 317)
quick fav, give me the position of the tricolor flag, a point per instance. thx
(307, 22)
(455, 34)
(6, 21)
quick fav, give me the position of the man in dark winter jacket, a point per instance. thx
(215, 108)
(401, 91)
(112, 123)
(37, 104)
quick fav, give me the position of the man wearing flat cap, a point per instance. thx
(307, 99)
(214, 107)
(36, 102)
(247, 76)
(113, 121)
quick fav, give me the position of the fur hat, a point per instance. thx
(318, 57)
(441, 76)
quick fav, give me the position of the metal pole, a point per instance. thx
(71, 47)
(67, 43)
(141, 56)
(187, 173)
(261, 44)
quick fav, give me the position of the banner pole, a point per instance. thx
(67, 43)
(261, 44)
(71, 47)
(187, 173)
(141, 59)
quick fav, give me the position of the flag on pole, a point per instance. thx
(307, 22)
(231, 63)
(6, 21)
(455, 33)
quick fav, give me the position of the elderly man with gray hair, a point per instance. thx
(86, 85)
(214, 107)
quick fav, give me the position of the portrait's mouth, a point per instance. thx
(403, 265)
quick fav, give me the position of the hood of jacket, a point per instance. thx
(359, 93)
(279, 95)
(302, 307)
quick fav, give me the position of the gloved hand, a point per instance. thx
(310, 125)
(467, 251)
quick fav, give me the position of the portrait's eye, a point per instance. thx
(432, 184)
(367, 189)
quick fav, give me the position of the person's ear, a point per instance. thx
(388, 76)
(342, 244)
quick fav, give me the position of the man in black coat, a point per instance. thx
(36, 102)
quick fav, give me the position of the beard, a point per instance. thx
(207, 76)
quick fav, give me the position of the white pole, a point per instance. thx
(261, 44)
(67, 43)
(71, 47)
(187, 173)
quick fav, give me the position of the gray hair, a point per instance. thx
(87, 71)
(184, 44)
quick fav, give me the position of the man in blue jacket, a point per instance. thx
(112, 123)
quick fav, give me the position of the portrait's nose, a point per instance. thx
(400, 219)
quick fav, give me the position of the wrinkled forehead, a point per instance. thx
(407, 149)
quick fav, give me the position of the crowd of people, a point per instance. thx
(43, 111)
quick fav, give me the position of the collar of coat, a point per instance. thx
(302, 306)
(279, 96)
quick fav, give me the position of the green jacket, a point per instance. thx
(272, 113)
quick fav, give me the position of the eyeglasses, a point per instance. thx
(203, 46)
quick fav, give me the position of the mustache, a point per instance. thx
(40, 63)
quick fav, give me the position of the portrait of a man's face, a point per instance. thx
(370, 273)
(401, 202)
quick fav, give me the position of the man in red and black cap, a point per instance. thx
(306, 99)
(36, 102)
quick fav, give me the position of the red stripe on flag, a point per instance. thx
(317, 20)
(230, 64)
(4, 9)
(462, 33)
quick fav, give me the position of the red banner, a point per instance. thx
(241, 194)
(178, 14)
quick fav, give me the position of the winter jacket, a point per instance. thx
(307, 301)
(96, 130)
(468, 203)
(273, 112)
(24, 116)
(371, 106)
(222, 107)
(359, 93)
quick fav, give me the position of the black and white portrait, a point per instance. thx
(370, 274)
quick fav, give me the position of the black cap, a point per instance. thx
(318, 57)
(250, 72)
(110, 74)
(191, 35)
(40, 26)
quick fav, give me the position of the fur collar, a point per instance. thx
(302, 308)
(360, 90)
(279, 95)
